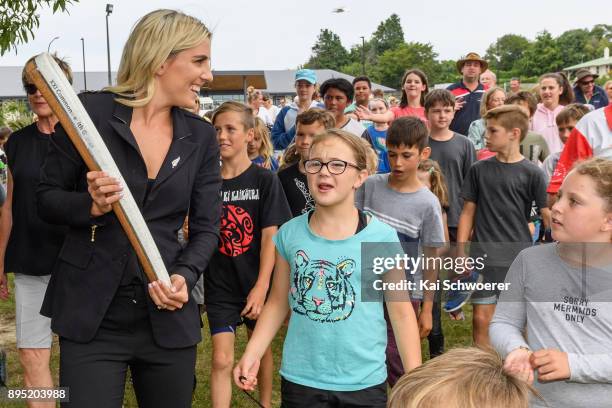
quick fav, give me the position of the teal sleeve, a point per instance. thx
(279, 242)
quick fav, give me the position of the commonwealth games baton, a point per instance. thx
(44, 72)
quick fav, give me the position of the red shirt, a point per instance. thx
(410, 111)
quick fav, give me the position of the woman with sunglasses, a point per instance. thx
(29, 246)
(587, 92)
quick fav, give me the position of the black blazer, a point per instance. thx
(87, 274)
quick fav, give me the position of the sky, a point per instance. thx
(253, 35)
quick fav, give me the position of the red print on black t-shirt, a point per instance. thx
(236, 231)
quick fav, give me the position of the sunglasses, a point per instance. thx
(30, 89)
(585, 83)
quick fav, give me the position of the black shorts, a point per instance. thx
(225, 317)
(452, 234)
(297, 396)
(491, 274)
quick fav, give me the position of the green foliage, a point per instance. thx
(600, 37)
(388, 35)
(393, 63)
(543, 55)
(504, 52)
(388, 55)
(19, 19)
(15, 114)
(445, 72)
(355, 69)
(573, 43)
(328, 52)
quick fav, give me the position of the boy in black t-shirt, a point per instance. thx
(498, 194)
(238, 276)
(293, 177)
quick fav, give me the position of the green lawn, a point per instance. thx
(457, 334)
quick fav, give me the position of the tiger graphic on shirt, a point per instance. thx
(322, 290)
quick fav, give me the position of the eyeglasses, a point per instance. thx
(333, 166)
(30, 89)
(585, 83)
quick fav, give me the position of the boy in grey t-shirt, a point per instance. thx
(400, 200)
(454, 152)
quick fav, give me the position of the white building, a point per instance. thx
(599, 66)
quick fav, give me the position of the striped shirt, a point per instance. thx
(470, 111)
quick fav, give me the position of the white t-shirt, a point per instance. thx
(265, 116)
(354, 127)
(273, 111)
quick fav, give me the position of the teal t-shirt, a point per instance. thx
(334, 341)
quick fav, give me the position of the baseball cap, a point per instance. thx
(306, 75)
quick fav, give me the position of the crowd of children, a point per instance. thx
(293, 233)
(435, 187)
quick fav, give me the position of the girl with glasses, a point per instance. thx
(334, 351)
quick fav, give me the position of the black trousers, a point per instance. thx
(95, 372)
(300, 396)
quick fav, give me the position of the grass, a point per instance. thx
(457, 334)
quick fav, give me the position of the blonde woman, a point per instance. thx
(260, 148)
(256, 103)
(109, 318)
(493, 98)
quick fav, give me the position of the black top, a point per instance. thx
(252, 201)
(135, 275)
(503, 193)
(87, 274)
(34, 244)
(296, 190)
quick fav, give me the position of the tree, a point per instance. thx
(600, 37)
(393, 63)
(19, 18)
(328, 52)
(444, 72)
(503, 53)
(574, 45)
(354, 66)
(543, 55)
(388, 35)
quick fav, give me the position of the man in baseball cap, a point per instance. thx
(468, 92)
(587, 92)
